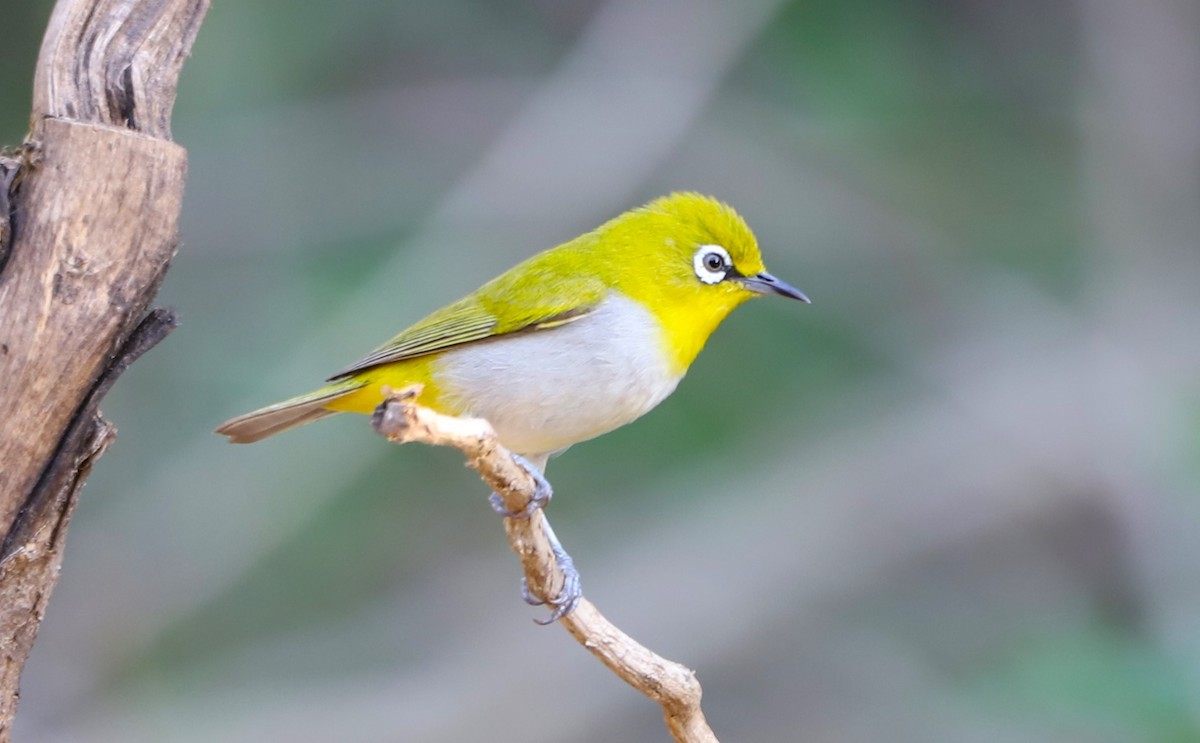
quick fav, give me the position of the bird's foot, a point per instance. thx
(572, 589)
(542, 493)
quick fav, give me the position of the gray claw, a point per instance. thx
(542, 492)
(572, 590)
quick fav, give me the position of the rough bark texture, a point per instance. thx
(88, 224)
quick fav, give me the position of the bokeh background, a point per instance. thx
(954, 500)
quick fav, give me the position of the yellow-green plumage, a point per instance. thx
(599, 328)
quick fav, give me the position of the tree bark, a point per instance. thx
(89, 211)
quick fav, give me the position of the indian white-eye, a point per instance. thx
(572, 343)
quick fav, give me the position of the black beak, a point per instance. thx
(765, 283)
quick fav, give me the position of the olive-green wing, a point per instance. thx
(530, 297)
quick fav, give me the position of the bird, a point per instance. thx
(572, 343)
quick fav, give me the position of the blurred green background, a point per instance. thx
(954, 500)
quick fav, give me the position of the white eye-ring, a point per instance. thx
(711, 263)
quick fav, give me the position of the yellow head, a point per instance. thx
(690, 259)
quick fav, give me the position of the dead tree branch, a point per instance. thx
(671, 685)
(88, 225)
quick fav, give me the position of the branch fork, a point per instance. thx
(673, 686)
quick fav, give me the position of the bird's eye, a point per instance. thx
(711, 263)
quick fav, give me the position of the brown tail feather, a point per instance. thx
(268, 421)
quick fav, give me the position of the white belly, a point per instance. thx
(546, 390)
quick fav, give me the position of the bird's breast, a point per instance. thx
(545, 390)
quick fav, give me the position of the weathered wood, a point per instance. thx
(89, 225)
(94, 228)
(115, 62)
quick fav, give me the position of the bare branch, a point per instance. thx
(672, 685)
